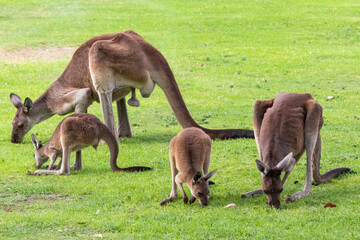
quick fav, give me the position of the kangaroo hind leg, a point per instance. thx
(173, 193)
(313, 123)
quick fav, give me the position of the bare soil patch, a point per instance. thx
(47, 198)
(36, 54)
(16, 204)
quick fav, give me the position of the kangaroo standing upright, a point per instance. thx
(190, 154)
(75, 132)
(285, 127)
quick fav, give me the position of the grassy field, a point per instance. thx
(224, 55)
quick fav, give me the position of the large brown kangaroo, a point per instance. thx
(106, 68)
(285, 127)
(75, 132)
(190, 154)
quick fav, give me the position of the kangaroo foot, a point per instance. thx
(165, 201)
(297, 195)
(253, 193)
(47, 172)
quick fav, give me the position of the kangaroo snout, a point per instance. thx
(16, 139)
(275, 204)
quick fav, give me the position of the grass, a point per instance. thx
(225, 55)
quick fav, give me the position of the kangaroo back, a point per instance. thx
(190, 149)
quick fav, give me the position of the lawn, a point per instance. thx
(225, 55)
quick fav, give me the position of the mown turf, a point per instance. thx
(224, 55)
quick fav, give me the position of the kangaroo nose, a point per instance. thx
(276, 205)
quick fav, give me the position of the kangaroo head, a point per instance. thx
(271, 183)
(199, 187)
(21, 123)
(40, 157)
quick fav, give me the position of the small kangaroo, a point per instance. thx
(190, 154)
(75, 132)
(285, 127)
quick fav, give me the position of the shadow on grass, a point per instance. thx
(148, 138)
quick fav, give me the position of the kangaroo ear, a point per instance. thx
(262, 167)
(209, 175)
(27, 105)
(287, 164)
(35, 141)
(15, 100)
(196, 177)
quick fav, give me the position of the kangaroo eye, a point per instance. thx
(20, 125)
(200, 193)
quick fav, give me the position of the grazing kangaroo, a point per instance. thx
(190, 153)
(75, 132)
(106, 68)
(285, 127)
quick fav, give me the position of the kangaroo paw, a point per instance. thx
(314, 183)
(185, 200)
(192, 200)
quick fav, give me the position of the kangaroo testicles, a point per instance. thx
(190, 154)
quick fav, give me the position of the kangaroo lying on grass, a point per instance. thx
(75, 132)
(190, 153)
(284, 128)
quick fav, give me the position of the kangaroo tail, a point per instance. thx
(318, 178)
(182, 114)
(228, 133)
(110, 140)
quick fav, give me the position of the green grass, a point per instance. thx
(225, 55)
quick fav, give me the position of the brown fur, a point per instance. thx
(75, 132)
(285, 127)
(190, 154)
(106, 68)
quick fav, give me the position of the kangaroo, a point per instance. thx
(106, 68)
(285, 127)
(190, 154)
(75, 132)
